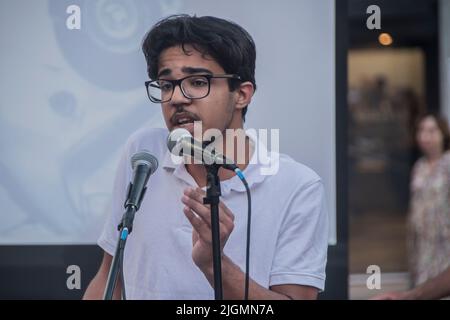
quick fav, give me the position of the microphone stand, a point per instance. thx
(212, 198)
(125, 227)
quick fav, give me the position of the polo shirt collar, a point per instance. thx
(252, 172)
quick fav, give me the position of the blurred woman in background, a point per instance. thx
(429, 216)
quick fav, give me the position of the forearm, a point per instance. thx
(436, 288)
(96, 289)
(233, 284)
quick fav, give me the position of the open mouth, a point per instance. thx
(183, 119)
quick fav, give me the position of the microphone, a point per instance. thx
(144, 165)
(180, 142)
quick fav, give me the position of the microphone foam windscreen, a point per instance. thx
(144, 156)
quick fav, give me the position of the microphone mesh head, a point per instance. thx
(175, 136)
(146, 157)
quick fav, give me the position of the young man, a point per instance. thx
(202, 69)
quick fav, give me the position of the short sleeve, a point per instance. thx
(301, 252)
(109, 236)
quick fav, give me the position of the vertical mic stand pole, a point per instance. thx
(125, 227)
(213, 198)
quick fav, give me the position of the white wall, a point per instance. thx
(69, 99)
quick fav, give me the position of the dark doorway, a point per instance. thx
(389, 85)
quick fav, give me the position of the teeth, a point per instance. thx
(184, 120)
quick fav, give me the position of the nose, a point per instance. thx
(178, 97)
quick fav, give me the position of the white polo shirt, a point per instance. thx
(289, 229)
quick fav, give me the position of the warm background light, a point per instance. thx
(385, 39)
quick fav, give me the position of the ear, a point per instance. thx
(244, 94)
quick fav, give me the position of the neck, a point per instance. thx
(434, 156)
(239, 149)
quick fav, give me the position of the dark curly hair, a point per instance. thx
(226, 42)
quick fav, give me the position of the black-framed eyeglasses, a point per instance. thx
(192, 87)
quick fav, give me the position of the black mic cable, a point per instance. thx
(249, 222)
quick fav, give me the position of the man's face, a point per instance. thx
(215, 110)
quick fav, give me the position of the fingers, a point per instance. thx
(199, 215)
(227, 211)
(200, 194)
(193, 198)
(201, 229)
(192, 201)
(386, 296)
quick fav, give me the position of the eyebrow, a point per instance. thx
(188, 70)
